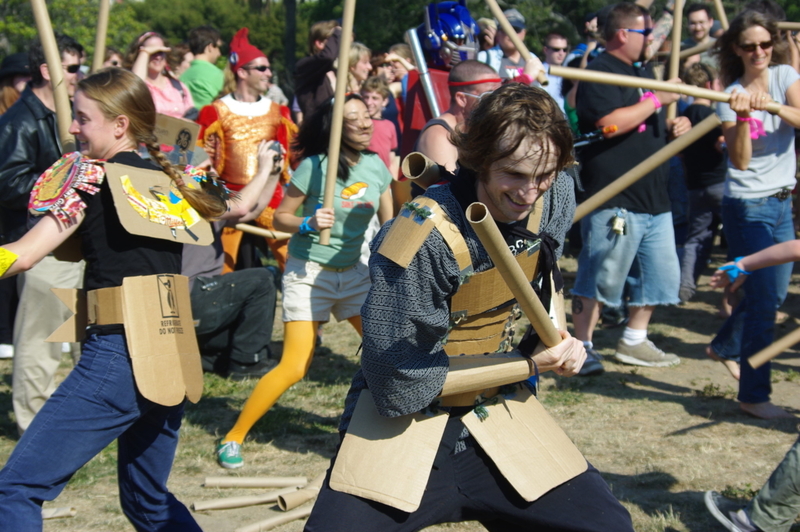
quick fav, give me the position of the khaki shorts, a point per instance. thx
(311, 293)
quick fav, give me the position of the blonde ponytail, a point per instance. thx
(209, 206)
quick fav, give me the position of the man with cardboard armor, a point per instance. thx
(463, 437)
(231, 129)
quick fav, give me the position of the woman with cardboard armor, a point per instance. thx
(756, 203)
(113, 393)
(319, 279)
(147, 58)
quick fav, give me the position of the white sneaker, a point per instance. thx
(6, 351)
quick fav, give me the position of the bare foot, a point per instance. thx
(765, 410)
(731, 365)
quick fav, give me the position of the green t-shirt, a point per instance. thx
(354, 205)
(204, 81)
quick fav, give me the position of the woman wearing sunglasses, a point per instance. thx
(147, 58)
(756, 206)
(320, 280)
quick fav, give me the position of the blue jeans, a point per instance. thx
(751, 225)
(96, 404)
(645, 253)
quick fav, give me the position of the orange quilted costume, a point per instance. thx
(230, 132)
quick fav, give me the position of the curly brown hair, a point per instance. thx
(731, 66)
(503, 119)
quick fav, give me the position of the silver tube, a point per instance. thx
(422, 68)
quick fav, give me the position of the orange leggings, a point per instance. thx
(298, 351)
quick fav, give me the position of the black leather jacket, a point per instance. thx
(28, 146)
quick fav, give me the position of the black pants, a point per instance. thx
(468, 487)
(234, 314)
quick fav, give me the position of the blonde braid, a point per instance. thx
(209, 206)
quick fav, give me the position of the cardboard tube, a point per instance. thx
(606, 78)
(646, 166)
(675, 58)
(240, 502)
(789, 26)
(53, 58)
(255, 482)
(492, 240)
(335, 142)
(290, 501)
(723, 18)
(421, 169)
(260, 231)
(509, 30)
(100, 39)
(56, 513)
(775, 349)
(694, 50)
(272, 522)
(471, 373)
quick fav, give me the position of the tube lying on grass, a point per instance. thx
(255, 482)
(241, 502)
(278, 520)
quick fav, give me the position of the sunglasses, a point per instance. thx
(645, 32)
(557, 49)
(478, 97)
(751, 47)
(260, 68)
(72, 69)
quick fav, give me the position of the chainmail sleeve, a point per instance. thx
(558, 210)
(405, 318)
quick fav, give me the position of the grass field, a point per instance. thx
(660, 437)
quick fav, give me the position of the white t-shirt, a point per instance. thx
(772, 166)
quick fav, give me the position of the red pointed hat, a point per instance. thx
(242, 52)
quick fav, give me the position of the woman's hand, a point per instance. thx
(759, 100)
(720, 278)
(566, 358)
(150, 50)
(322, 219)
(740, 103)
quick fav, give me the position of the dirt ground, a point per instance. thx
(660, 437)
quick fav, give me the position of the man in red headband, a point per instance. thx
(231, 130)
(467, 81)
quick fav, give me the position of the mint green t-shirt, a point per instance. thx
(204, 81)
(354, 204)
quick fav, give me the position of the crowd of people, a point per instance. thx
(403, 266)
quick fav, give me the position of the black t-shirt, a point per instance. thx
(705, 166)
(110, 251)
(605, 161)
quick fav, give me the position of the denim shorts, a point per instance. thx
(644, 259)
(312, 293)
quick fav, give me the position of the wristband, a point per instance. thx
(653, 97)
(733, 270)
(524, 78)
(756, 126)
(7, 258)
(304, 227)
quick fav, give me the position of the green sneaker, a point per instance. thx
(229, 455)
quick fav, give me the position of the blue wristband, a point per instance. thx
(733, 270)
(304, 227)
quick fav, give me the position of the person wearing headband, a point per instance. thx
(467, 82)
